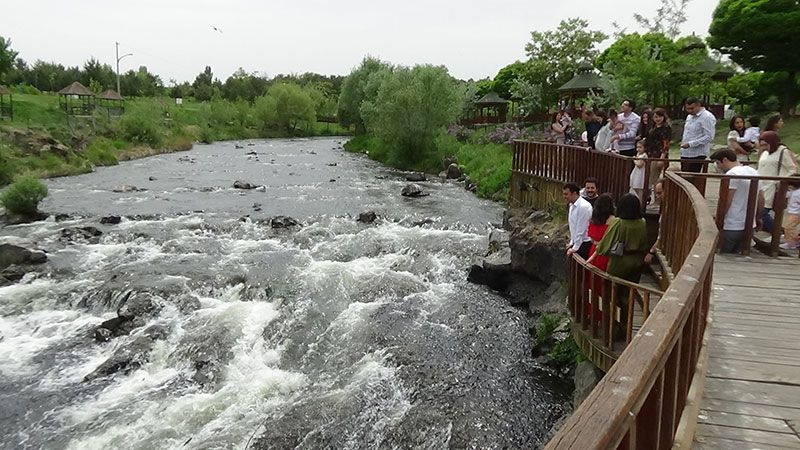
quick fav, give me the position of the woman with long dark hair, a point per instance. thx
(657, 143)
(735, 137)
(774, 123)
(558, 129)
(602, 215)
(645, 125)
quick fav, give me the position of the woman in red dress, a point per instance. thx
(602, 214)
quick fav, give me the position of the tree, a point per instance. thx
(412, 108)
(102, 74)
(352, 94)
(286, 106)
(761, 35)
(668, 19)
(203, 85)
(506, 77)
(7, 57)
(554, 55)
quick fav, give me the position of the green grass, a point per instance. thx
(149, 126)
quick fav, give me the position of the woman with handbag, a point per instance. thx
(775, 161)
(625, 243)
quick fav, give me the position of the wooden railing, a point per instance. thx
(771, 246)
(594, 293)
(644, 400)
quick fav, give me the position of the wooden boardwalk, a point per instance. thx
(751, 398)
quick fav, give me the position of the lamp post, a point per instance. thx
(119, 58)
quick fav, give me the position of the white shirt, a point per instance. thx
(580, 213)
(737, 213)
(751, 134)
(794, 202)
(698, 132)
(627, 137)
(603, 139)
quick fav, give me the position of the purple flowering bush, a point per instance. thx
(506, 134)
(460, 132)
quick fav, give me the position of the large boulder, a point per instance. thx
(129, 356)
(134, 313)
(413, 190)
(537, 245)
(111, 220)
(586, 378)
(11, 254)
(453, 172)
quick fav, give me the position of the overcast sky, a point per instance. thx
(175, 39)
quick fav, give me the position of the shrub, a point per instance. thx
(460, 132)
(179, 141)
(545, 327)
(101, 153)
(24, 195)
(141, 129)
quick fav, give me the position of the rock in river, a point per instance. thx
(413, 190)
(416, 176)
(283, 222)
(111, 220)
(453, 172)
(239, 184)
(367, 217)
(12, 254)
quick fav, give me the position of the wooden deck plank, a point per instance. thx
(744, 421)
(748, 436)
(752, 393)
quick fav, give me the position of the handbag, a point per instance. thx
(618, 249)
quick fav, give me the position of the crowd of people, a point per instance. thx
(647, 137)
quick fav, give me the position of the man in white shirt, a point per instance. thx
(580, 213)
(627, 139)
(698, 133)
(733, 229)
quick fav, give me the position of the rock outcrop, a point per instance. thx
(11, 254)
(413, 190)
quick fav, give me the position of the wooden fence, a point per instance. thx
(647, 399)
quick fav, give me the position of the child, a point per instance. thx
(790, 227)
(617, 129)
(637, 174)
(749, 141)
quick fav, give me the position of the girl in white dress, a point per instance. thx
(637, 174)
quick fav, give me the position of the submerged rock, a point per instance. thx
(81, 234)
(127, 188)
(134, 312)
(239, 184)
(283, 222)
(111, 220)
(413, 190)
(367, 217)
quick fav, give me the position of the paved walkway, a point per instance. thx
(751, 398)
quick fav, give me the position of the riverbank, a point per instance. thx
(44, 142)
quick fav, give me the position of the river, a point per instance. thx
(332, 334)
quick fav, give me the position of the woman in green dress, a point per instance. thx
(625, 243)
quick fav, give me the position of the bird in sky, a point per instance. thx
(217, 29)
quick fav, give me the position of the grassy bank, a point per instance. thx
(487, 164)
(45, 142)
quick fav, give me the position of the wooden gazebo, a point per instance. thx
(585, 81)
(76, 100)
(6, 104)
(113, 103)
(717, 71)
(490, 108)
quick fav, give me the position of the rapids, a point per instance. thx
(333, 334)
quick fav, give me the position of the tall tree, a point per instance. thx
(761, 35)
(353, 92)
(554, 55)
(7, 57)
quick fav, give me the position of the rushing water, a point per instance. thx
(335, 334)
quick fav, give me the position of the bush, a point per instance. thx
(24, 195)
(545, 327)
(506, 134)
(141, 129)
(178, 141)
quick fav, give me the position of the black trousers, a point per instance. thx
(583, 251)
(688, 166)
(630, 152)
